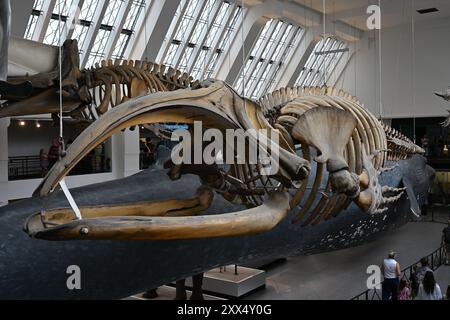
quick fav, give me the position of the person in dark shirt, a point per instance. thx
(446, 240)
(53, 152)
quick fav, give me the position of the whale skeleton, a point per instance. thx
(352, 149)
(352, 143)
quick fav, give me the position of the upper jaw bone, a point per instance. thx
(176, 106)
(247, 222)
(213, 105)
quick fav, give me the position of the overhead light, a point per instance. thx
(21, 123)
(428, 10)
(38, 125)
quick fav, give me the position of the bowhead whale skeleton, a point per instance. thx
(353, 148)
(352, 143)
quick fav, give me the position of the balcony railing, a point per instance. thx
(29, 167)
(436, 259)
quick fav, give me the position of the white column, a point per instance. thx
(131, 151)
(117, 158)
(125, 153)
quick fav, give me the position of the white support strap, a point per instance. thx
(69, 197)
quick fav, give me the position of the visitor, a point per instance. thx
(404, 290)
(43, 162)
(53, 152)
(97, 159)
(391, 272)
(429, 289)
(446, 241)
(419, 274)
(425, 143)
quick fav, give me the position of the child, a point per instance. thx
(404, 290)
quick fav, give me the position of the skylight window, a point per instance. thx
(37, 11)
(84, 22)
(108, 24)
(321, 63)
(103, 29)
(198, 36)
(269, 55)
(58, 21)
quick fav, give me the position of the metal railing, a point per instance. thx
(26, 167)
(29, 167)
(435, 259)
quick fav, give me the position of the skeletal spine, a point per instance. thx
(110, 83)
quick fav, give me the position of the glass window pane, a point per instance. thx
(137, 7)
(55, 31)
(111, 13)
(88, 10)
(202, 29)
(268, 57)
(114, 13)
(321, 62)
(120, 46)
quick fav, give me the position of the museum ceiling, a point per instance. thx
(396, 12)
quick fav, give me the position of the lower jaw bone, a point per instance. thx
(247, 222)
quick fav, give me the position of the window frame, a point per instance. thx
(200, 59)
(267, 60)
(322, 62)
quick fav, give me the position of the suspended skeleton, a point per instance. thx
(350, 144)
(87, 94)
(446, 96)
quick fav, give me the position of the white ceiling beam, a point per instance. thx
(198, 48)
(74, 15)
(341, 66)
(20, 14)
(93, 30)
(117, 29)
(43, 21)
(154, 27)
(238, 53)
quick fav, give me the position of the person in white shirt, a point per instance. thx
(429, 289)
(391, 272)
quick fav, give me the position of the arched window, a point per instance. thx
(269, 54)
(199, 35)
(321, 63)
(103, 28)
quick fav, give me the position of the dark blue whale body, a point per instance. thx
(36, 269)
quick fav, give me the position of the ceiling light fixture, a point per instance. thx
(21, 123)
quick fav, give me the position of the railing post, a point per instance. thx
(367, 295)
(432, 262)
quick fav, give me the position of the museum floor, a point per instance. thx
(342, 274)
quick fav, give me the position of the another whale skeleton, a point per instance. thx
(353, 149)
(446, 96)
